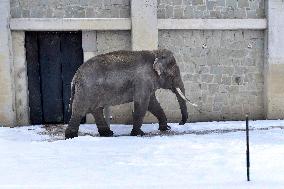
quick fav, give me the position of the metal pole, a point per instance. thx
(247, 152)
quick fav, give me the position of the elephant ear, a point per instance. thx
(157, 66)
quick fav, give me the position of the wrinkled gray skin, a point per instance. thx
(121, 77)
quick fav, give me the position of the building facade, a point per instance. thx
(230, 53)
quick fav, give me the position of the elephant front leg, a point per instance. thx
(140, 107)
(156, 109)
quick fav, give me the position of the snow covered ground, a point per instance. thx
(197, 155)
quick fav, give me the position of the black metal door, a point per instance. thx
(52, 60)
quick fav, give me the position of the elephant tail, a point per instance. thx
(72, 96)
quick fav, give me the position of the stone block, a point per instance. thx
(211, 4)
(228, 70)
(231, 4)
(161, 13)
(189, 12)
(191, 77)
(169, 11)
(178, 13)
(197, 2)
(215, 14)
(206, 78)
(124, 12)
(213, 88)
(243, 3)
(220, 3)
(238, 53)
(226, 80)
(204, 69)
(177, 2)
(216, 70)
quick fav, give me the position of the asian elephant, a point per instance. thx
(120, 77)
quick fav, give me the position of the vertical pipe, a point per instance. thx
(247, 151)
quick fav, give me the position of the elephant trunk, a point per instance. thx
(180, 91)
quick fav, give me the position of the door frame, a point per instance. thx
(20, 53)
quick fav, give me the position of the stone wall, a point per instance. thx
(222, 69)
(211, 9)
(222, 72)
(70, 8)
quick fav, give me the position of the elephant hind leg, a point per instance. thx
(73, 126)
(102, 125)
(79, 110)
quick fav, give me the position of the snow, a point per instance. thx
(196, 155)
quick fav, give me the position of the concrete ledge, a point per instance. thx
(69, 24)
(212, 24)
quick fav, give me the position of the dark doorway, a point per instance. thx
(52, 60)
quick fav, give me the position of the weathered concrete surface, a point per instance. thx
(20, 78)
(211, 9)
(274, 67)
(275, 91)
(7, 111)
(144, 24)
(70, 8)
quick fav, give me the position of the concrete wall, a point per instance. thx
(211, 9)
(70, 8)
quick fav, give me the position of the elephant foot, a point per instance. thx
(136, 132)
(182, 122)
(164, 128)
(70, 133)
(106, 133)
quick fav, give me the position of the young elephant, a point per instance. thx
(121, 77)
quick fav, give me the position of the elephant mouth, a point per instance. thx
(184, 97)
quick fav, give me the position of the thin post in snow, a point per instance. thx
(247, 151)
